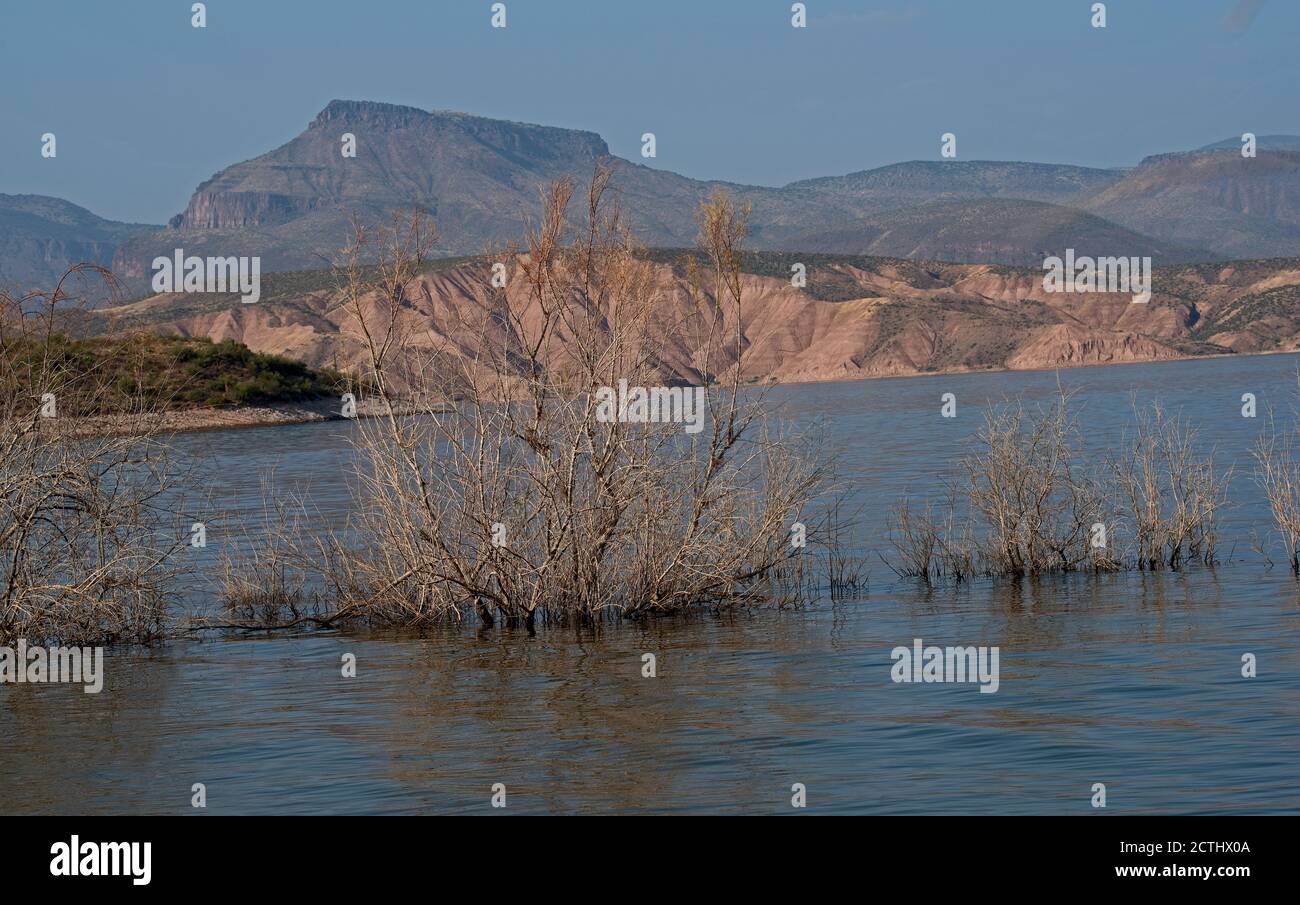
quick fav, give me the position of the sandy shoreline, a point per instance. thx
(203, 419)
(330, 409)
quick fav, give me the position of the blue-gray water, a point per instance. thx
(1129, 680)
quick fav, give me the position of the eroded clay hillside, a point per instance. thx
(857, 317)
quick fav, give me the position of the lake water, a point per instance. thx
(1129, 680)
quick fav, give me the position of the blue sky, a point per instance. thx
(146, 107)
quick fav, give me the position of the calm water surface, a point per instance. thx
(1130, 680)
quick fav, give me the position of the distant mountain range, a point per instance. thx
(41, 236)
(989, 230)
(1234, 206)
(479, 178)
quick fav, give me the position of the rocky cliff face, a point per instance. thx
(236, 210)
(882, 317)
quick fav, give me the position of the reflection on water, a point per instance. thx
(1130, 680)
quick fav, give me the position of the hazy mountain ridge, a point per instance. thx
(40, 237)
(480, 179)
(1262, 143)
(991, 230)
(1235, 206)
(919, 181)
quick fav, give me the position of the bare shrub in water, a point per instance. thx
(269, 572)
(1170, 494)
(89, 528)
(1031, 502)
(1278, 473)
(1025, 505)
(1034, 499)
(932, 542)
(918, 540)
(503, 484)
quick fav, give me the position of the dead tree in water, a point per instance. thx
(1278, 473)
(90, 529)
(1031, 501)
(495, 484)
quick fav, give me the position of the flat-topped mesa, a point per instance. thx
(508, 135)
(404, 155)
(353, 110)
(402, 116)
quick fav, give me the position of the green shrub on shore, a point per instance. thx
(167, 373)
